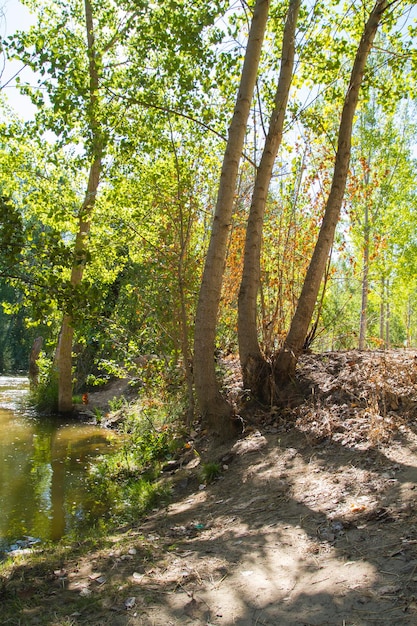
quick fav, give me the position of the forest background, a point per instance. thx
(109, 189)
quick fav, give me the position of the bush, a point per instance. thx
(125, 484)
(44, 397)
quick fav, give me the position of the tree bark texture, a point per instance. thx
(286, 360)
(255, 369)
(214, 408)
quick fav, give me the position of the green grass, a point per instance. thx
(210, 472)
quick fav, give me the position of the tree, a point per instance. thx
(215, 410)
(286, 360)
(69, 105)
(63, 357)
(251, 359)
(145, 52)
(380, 195)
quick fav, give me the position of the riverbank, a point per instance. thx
(312, 520)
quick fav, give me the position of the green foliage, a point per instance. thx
(167, 73)
(11, 236)
(15, 338)
(120, 502)
(382, 210)
(126, 484)
(44, 397)
(150, 439)
(98, 414)
(210, 472)
(117, 403)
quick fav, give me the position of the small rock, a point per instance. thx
(337, 526)
(227, 458)
(247, 573)
(85, 592)
(253, 443)
(388, 590)
(170, 466)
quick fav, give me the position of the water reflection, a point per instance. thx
(43, 466)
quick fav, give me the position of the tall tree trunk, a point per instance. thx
(255, 369)
(382, 312)
(388, 321)
(215, 410)
(286, 360)
(184, 236)
(63, 357)
(363, 323)
(4, 341)
(365, 283)
(408, 323)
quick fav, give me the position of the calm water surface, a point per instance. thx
(43, 469)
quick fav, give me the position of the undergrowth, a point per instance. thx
(127, 483)
(44, 397)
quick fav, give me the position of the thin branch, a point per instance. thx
(6, 84)
(171, 111)
(120, 33)
(22, 278)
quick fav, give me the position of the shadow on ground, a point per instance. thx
(299, 530)
(291, 534)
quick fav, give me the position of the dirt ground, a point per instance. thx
(312, 522)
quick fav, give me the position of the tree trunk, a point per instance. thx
(408, 323)
(286, 360)
(255, 369)
(215, 410)
(382, 312)
(363, 323)
(388, 321)
(63, 357)
(365, 283)
(33, 362)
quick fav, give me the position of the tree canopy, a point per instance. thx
(110, 193)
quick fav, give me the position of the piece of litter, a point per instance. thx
(60, 573)
(130, 603)
(101, 579)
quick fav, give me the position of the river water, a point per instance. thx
(44, 463)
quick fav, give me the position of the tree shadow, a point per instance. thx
(294, 533)
(267, 557)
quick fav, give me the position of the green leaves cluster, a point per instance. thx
(167, 74)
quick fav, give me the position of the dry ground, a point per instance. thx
(313, 521)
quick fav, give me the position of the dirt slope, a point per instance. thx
(313, 520)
